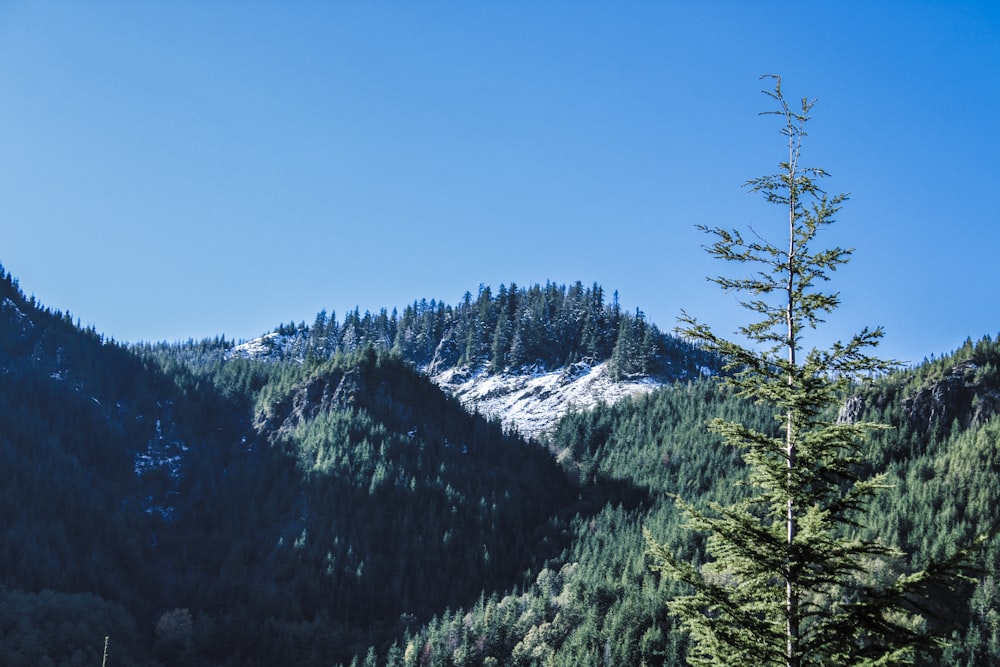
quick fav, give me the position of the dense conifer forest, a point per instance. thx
(514, 329)
(325, 503)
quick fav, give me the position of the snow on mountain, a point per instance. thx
(533, 402)
(16, 315)
(528, 400)
(272, 346)
(161, 464)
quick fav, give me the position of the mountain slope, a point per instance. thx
(242, 512)
(525, 356)
(532, 403)
(362, 479)
(601, 604)
(210, 504)
(79, 500)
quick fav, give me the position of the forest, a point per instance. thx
(514, 329)
(327, 504)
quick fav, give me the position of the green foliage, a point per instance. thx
(255, 512)
(784, 583)
(598, 602)
(64, 630)
(637, 452)
(205, 509)
(539, 327)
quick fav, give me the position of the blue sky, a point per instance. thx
(181, 169)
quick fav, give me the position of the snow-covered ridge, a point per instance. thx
(272, 346)
(532, 403)
(528, 400)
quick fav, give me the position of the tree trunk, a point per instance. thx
(791, 575)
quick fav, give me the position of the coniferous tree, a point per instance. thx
(785, 583)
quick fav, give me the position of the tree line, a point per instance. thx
(541, 327)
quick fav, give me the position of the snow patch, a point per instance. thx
(532, 403)
(164, 453)
(531, 400)
(161, 452)
(273, 346)
(15, 314)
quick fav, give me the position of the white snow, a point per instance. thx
(163, 452)
(269, 346)
(16, 314)
(530, 402)
(533, 403)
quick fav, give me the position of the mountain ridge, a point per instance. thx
(529, 400)
(489, 352)
(336, 506)
(533, 402)
(225, 512)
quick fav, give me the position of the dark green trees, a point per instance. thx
(786, 584)
(541, 327)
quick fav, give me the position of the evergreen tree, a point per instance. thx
(786, 583)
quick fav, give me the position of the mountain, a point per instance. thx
(601, 604)
(533, 401)
(525, 356)
(529, 400)
(202, 508)
(323, 496)
(80, 507)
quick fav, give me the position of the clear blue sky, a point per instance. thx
(182, 169)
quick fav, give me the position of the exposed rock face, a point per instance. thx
(391, 392)
(446, 355)
(957, 395)
(529, 398)
(852, 409)
(321, 394)
(529, 402)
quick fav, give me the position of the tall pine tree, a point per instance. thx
(785, 582)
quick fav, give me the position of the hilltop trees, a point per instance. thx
(786, 583)
(516, 329)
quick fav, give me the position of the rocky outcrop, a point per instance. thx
(959, 395)
(323, 393)
(388, 390)
(852, 409)
(963, 394)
